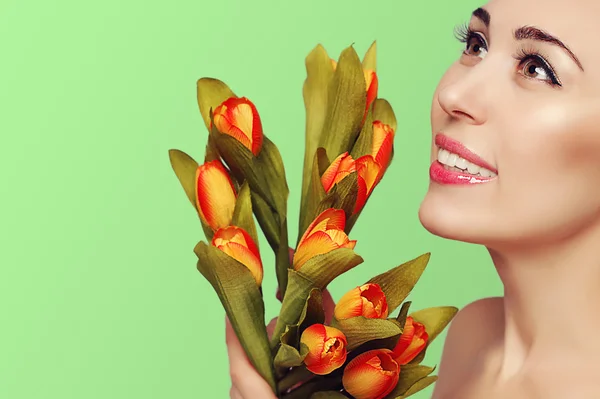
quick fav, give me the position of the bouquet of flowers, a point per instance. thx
(362, 352)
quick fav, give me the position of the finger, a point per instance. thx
(243, 375)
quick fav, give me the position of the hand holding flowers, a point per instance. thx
(361, 352)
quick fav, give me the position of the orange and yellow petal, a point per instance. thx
(316, 244)
(383, 139)
(215, 194)
(372, 85)
(330, 218)
(374, 301)
(416, 344)
(239, 118)
(371, 375)
(341, 167)
(368, 171)
(326, 348)
(237, 243)
(349, 305)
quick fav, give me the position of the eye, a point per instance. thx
(533, 69)
(475, 46)
(533, 65)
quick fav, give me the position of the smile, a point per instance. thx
(457, 165)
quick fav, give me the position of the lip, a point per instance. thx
(459, 149)
(439, 174)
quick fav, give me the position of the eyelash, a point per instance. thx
(465, 34)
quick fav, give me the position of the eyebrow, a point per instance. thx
(529, 32)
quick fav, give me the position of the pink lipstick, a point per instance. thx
(473, 169)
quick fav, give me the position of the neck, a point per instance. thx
(551, 297)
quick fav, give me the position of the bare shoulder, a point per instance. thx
(474, 328)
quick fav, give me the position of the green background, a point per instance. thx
(99, 291)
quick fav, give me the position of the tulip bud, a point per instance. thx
(215, 195)
(383, 139)
(239, 118)
(326, 348)
(368, 300)
(324, 234)
(238, 244)
(368, 171)
(341, 167)
(411, 342)
(371, 375)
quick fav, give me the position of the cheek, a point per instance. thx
(549, 161)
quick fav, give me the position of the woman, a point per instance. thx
(518, 115)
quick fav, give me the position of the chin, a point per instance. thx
(447, 218)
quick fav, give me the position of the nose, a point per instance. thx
(465, 97)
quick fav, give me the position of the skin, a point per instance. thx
(539, 219)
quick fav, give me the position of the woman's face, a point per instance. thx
(529, 108)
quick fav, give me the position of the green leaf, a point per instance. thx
(360, 330)
(211, 93)
(294, 301)
(315, 194)
(242, 214)
(419, 386)
(319, 73)
(267, 219)
(212, 153)
(401, 318)
(328, 395)
(370, 59)
(364, 142)
(243, 303)
(397, 283)
(322, 269)
(185, 168)
(382, 111)
(409, 375)
(345, 106)
(288, 356)
(312, 313)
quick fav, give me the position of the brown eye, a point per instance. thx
(475, 47)
(535, 69)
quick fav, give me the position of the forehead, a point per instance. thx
(575, 22)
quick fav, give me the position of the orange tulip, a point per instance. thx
(324, 234)
(215, 194)
(238, 244)
(411, 342)
(341, 167)
(383, 139)
(371, 375)
(369, 175)
(239, 118)
(326, 348)
(368, 300)
(372, 85)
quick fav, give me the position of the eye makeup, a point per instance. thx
(531, 61)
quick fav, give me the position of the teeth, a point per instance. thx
(450, 159)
